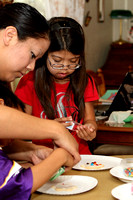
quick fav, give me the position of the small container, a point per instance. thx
(127, 165)
(74, 125)
(58, 173)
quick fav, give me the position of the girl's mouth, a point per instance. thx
(62, 75)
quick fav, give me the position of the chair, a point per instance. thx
(112, 149)
(99, 81)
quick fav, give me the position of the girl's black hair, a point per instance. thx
(26, 19)
(10, 99)
(65, 34)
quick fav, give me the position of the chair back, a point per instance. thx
(99, 81)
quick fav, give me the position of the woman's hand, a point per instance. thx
(66, 121)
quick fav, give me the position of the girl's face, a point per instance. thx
(62, 57)
(20, 57)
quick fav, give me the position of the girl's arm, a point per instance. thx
(18, 125)
(90, 114)
(27, 151)
(88, 130)
(45, 170)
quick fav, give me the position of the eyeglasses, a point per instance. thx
(61, 66)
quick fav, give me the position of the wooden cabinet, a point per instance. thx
(118, 63)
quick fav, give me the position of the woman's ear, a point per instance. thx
(1, 101)
(10, 34)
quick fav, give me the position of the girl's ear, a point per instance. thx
(1, 101)
(10, 34)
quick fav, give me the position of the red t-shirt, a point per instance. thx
(26, 92)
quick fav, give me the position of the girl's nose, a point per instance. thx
(66, 67)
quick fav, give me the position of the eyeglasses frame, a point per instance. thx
(52, 65)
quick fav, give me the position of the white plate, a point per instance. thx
(118, 172)
(123, 192)
(107, 161)
(81, 184)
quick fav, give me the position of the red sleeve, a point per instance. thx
(91, 93)
(25, 88)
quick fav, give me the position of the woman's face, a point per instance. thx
(20, 57)
(62, 57)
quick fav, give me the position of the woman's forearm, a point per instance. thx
(18, 125)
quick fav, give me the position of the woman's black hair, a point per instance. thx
(26, 19)
(65, 34)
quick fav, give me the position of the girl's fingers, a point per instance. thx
(86, 133)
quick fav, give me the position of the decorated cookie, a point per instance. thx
(92, 165)
(64, 187)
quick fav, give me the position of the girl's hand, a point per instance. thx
(68, 162)
(27, 151)
(46, 169)
(63, 121)
(40, 154)
(87, 131)
(37, 156)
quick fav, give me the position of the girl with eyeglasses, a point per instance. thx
(24, 38)
(59, 88)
